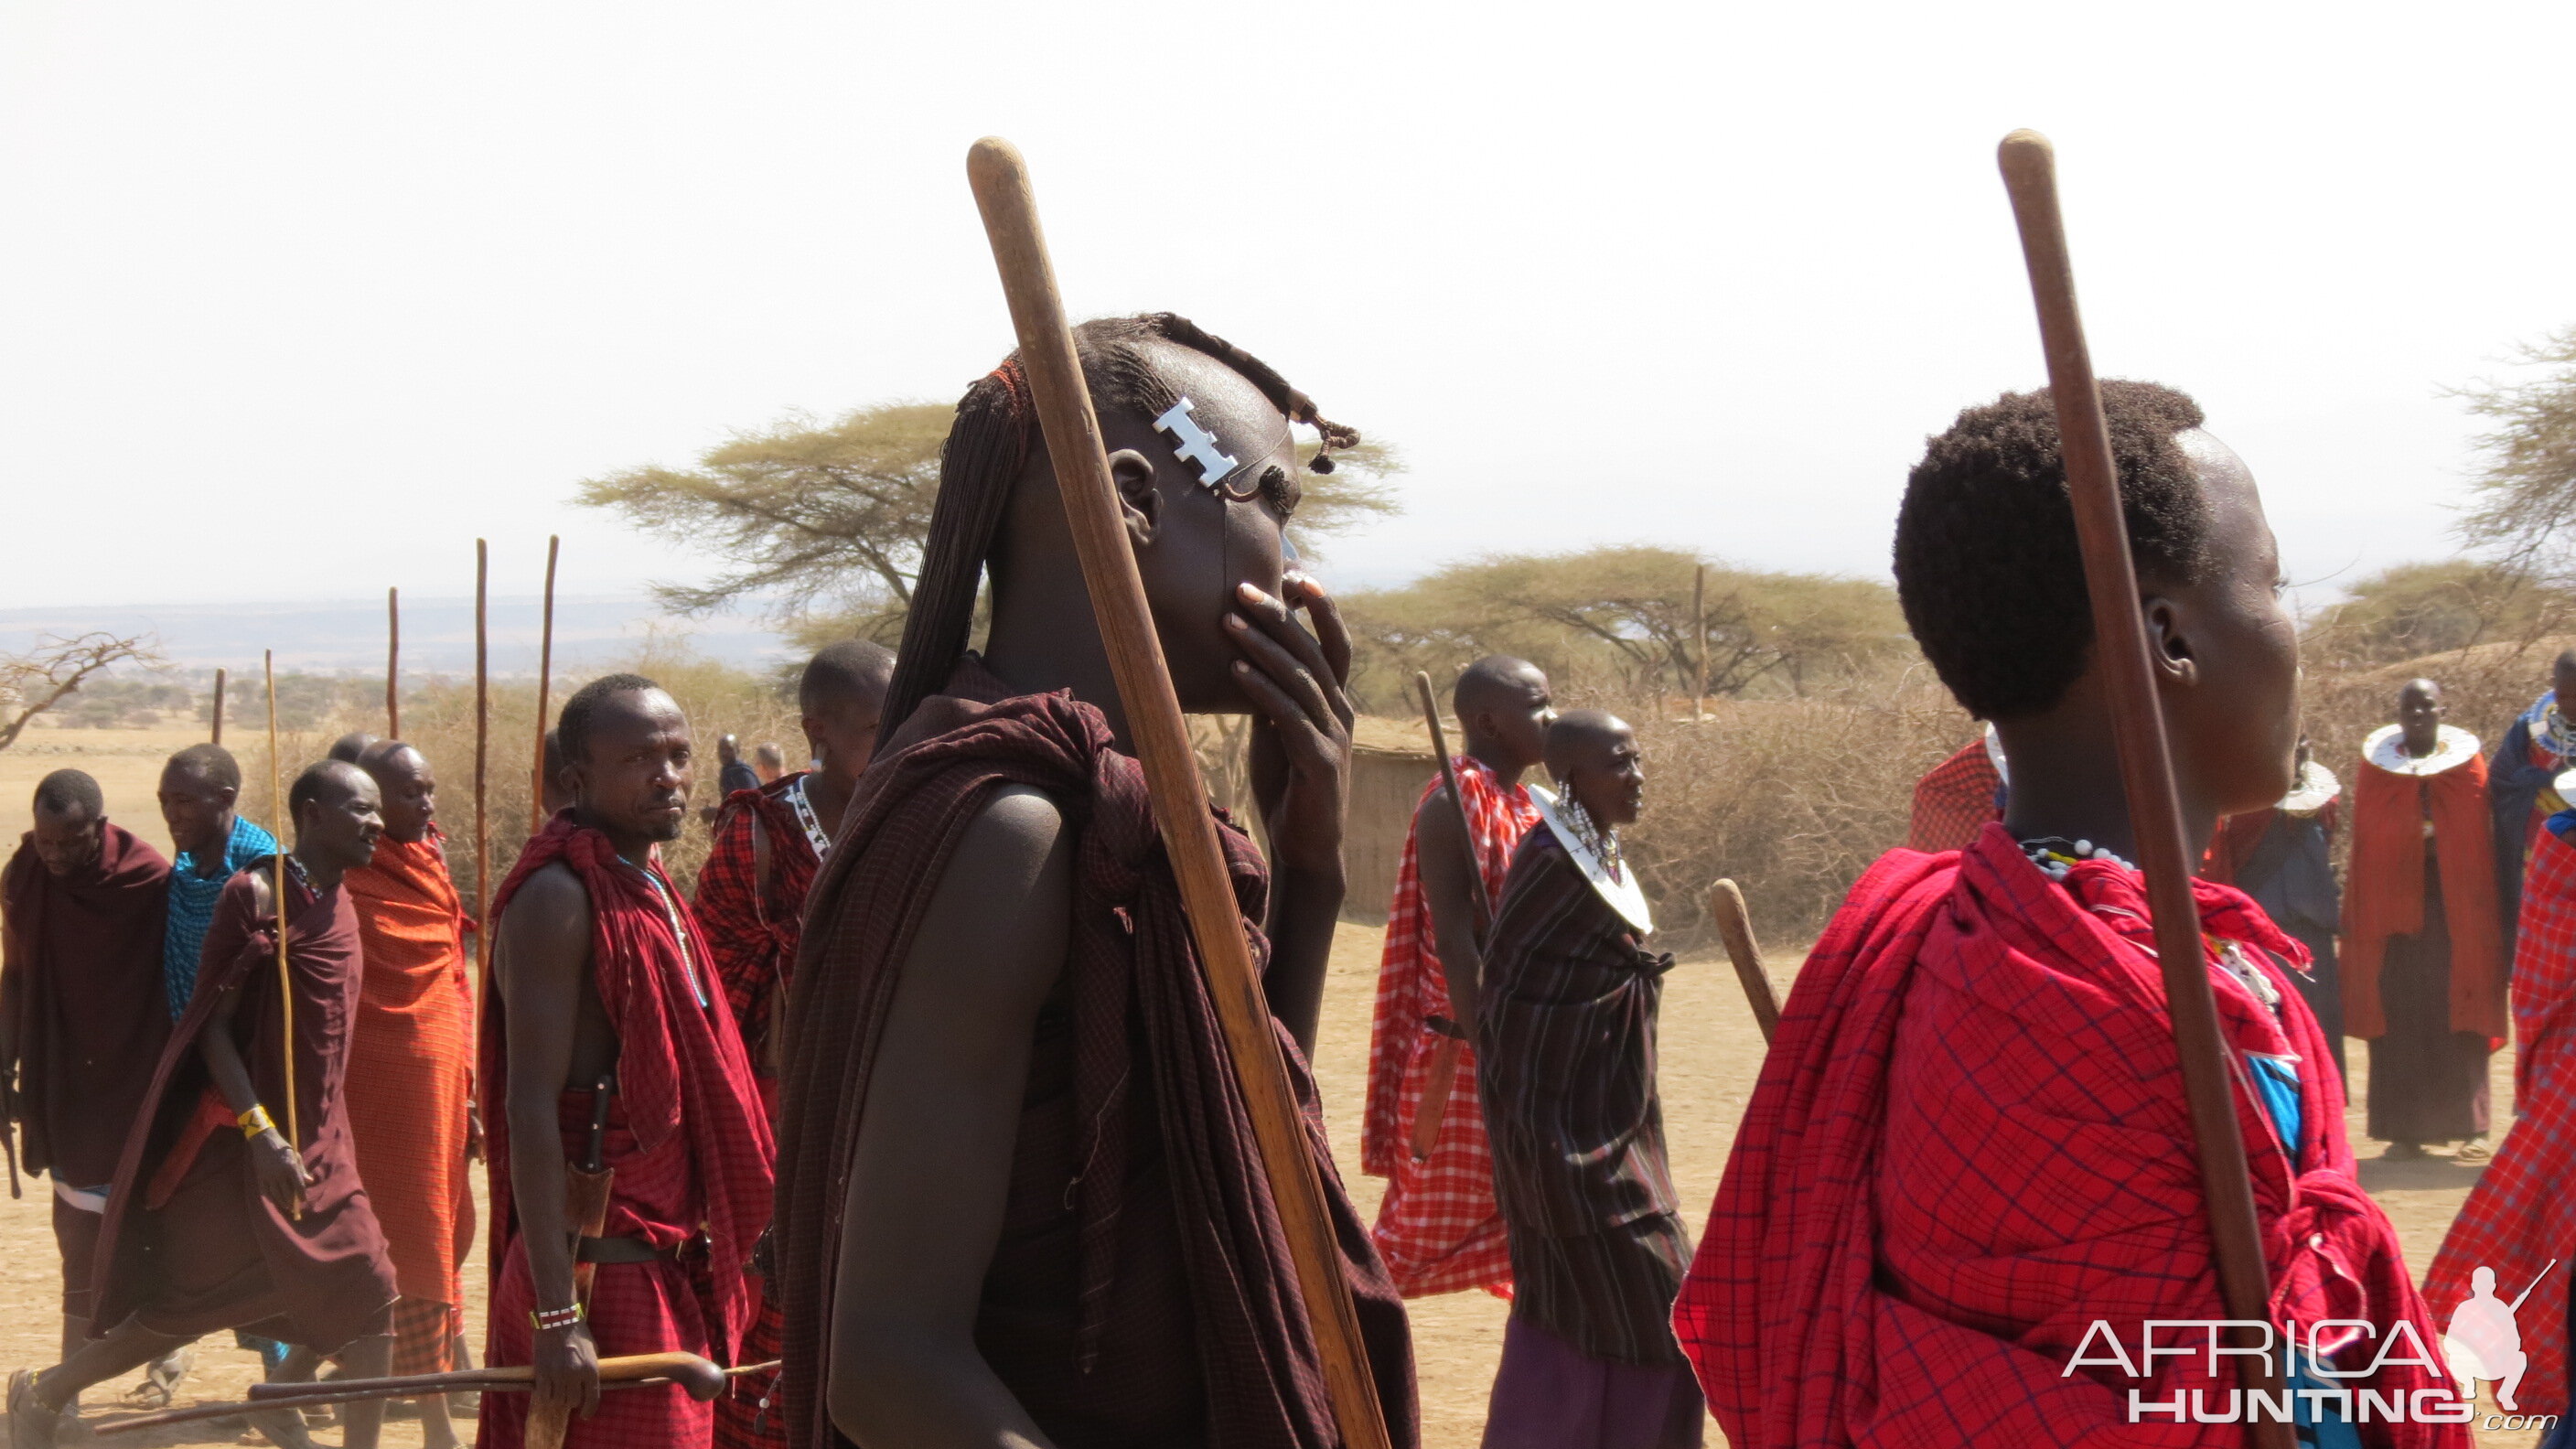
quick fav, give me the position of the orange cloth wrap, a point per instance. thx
(410, 1072)
(2385, 893)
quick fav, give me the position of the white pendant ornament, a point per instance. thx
(1195, 445)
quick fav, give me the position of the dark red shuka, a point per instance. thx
(189, 1243)
(1969, 1142)
(688, 1142)
(80, 977)
(1142, 1294)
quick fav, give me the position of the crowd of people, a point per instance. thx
(919, 1114)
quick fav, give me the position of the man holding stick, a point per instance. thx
(602, 978)
(998, 989)
(216, 1219)
(1437, 1227)
(1969, 1141)
(411, 1069)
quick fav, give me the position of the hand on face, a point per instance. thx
(1301, 737)
(70, 840)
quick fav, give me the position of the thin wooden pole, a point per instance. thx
(545, 677)
(482, 758)
(285, 977)
(393, 663)
(1443, 1075)
(2029, 167)
(1735, 928)
(1001, 182)
(219, 706)
(1699, 634)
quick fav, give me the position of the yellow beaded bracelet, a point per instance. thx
(255, 1121)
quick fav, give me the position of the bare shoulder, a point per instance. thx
(549, 913)
(999, 917)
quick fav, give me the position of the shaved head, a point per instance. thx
(70, 793)
(409, 788)
(1494, 678)
(1503, 709)
(327, 781)
(349, 748)
(1577, 731)
(2562, 678)
(851, 672)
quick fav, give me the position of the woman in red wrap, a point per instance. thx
(602, 978)
(1967, 1175)
(2423, 945)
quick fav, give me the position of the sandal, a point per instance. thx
(31, 1424)
(161, 1379)
(2476, 1150)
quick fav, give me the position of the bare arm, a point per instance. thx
(275, 1162)
(543, 965)
(1440, 855)
(944, 1108)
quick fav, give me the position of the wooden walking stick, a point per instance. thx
(1001, 182)
(2146, 768)
(545, 676)
(1735, 928)
(1699, 636)
(285, 978)
(219, 706)
(482, 758)
(697, 1377)
(1443, 1077)
(393, 663)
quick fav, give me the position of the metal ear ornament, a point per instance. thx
(1194, 444)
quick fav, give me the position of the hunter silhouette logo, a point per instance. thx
(2484, 1342)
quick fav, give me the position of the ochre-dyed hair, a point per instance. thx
(1986, 562)
(996, 427)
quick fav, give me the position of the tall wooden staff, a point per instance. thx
(285, 978)
(219, 706)
(2146, 769)
(393, 663)
(482, 757)
(1699, 635)
(1001, 182)
(1444, 1057)
(545, 676)
(1735, 928)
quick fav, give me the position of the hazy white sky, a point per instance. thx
(295, 300)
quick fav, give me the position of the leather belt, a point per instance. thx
(619, 1250)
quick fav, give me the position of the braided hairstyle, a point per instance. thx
(996, 427)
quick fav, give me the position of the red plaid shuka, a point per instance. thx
(1438, 1227)
(687, 1139)
(753, 925)
(1954, 799)
(1969, 1142)
(2520, 1216)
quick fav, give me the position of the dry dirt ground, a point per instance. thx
(1710, 1054)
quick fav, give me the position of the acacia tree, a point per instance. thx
(42, 677)
(1621, 616)
(2526, 495)
(827, 520)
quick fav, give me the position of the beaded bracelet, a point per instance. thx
(549, 1319)
(255, 1121)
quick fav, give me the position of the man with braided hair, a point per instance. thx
(751, 903)
(998, 991)
(1438, 1227)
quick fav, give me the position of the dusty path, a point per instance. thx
(1710, 1054)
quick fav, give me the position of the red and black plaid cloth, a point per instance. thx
(753, 925)
(1144, 1062)
(1954, 799)
(2521, 1216)
(1438, 1227)
(690, 1130)
(1969, 1142)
